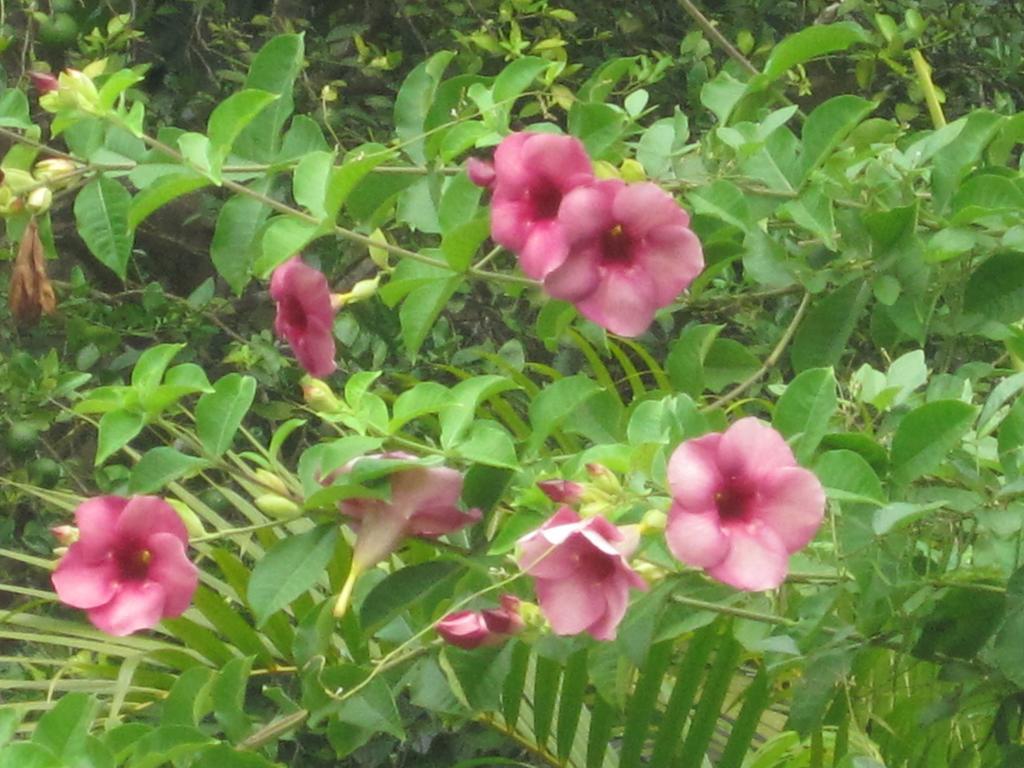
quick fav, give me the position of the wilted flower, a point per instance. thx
(580, 573)
(532, 173)
(305, 317)
(424, 502)
(472, 629)
(128, 569)
(741, 505)
(630, 252)
(31, 293)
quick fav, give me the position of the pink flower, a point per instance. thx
(128, 569)
(43, 82)
(532, 173)
(424, 502)
(631, 251)
(305, 317)
(480, 172)
(472, 629)
(561, 491)
(580, 573)
(741, 505)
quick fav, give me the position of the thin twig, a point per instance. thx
(719, 39)
(769, 363)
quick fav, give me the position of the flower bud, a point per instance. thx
(631, 171)
(277, 507)
(43, 82)
(66, 535)
(473, 629)
(561, 491)
(54, 171)
(654, 520)
(19, 181)
(39, 200)
(271, 481)
(379, 256)
(480, 172)
(363, 290)
(319, 396)
(193, 524)
(604, 478)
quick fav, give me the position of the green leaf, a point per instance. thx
(723, 200)
(167, 743)
(64, 728)
(512, 81)
(598, 126)
(464, 398)
(400, 589)
(803, 412)
(283, 238)
(1008, 651)
(101, 213)
(899, 514)
(828, 125)
(273, 70)
(425, 397)
(309, 181)
(234, 247)
(149, 368)
(926, 435)
(822, 337)
(556, 403)
(488, 443)
(219, 413)
(288, 569)
(116, 430)
(996, 288)
(189, 698)
(10, 719)
(985, 195)
(421, 308)
(413, 102)
(847, 475)
(14, 111)
(23, 754)
(231, 116)
(161, 192)
(810, 43)
(228, 694)
(461, 244)
(160, 466)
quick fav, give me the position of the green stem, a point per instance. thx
(931, 94)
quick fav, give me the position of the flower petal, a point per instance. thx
(137, 605)
(96, 520)
(675, 256)
(510, 222)
(750, 449)
(569, 605)
(623, 301)
(561, 159)
(82, 582)
(696, 539)
(791, 501)
(757, 559)
(586, 212)
(170, 567)
(315, 350)
(693, 474)
(544, 250)
(616, 595)
(642, 207)
(147, 515)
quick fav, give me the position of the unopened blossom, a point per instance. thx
(43, 82)
(580, 573)
(480, 172)
(424, 502)
(630, 252)
(532, 174)
(128, 568)
(741, 505)
(305, 316)
(472, 629)
(561, 491)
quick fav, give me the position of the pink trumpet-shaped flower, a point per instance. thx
(580, 573)
(472, 629)
(128, 569)
(424, 502)
(305, 317)
(631, 252)
(532, 174)
(741, 505)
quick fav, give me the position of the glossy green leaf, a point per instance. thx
(996, 288)
(288, 569)
(150, 367)
(400, 589)
(803, 412)
(160, 466)
(219, 413)
(811, 43)
(273, 70)
(822, 337)
(828, 125)
(926, 435)
(116, 430)
(101, 213)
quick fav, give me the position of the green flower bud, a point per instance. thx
(39, 200)
(271, 481)
(277, 507)
(193, 524)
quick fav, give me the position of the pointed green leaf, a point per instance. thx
(101, 213)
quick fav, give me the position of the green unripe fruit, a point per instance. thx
(22, 438)
(44, 472)
(59, 30)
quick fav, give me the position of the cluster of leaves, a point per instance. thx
(864, 292)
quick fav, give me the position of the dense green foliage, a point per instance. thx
(853, 171)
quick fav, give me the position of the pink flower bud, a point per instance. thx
(66, 535)
(481, 172)
(561, 491)
(43, 82)
(473, 629)
(305, 317)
